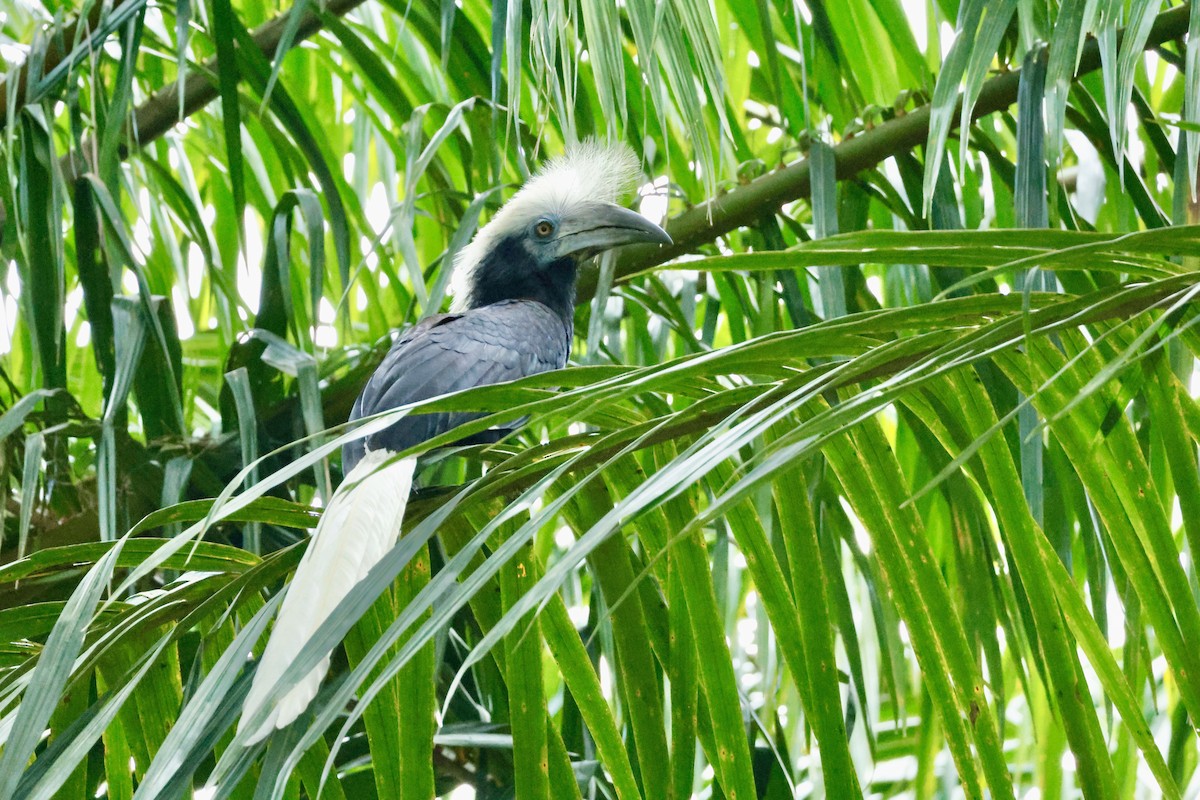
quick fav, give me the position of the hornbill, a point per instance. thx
(512, 316)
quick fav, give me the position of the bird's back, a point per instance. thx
(450, 352)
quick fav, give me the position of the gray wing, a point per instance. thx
(450, 352)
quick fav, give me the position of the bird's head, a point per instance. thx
(564, 215)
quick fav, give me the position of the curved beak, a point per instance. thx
(604, 226)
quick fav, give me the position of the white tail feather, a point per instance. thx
(358, 528)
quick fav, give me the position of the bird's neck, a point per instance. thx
(508, 273)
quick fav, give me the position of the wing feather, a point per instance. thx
(497, 343)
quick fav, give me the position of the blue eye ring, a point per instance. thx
(543, 228)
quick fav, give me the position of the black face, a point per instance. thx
(525, 266)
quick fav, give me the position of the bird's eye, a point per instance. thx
(544, 228)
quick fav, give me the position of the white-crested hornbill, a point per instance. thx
(513, 312)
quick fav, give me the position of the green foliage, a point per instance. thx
(882, 481)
